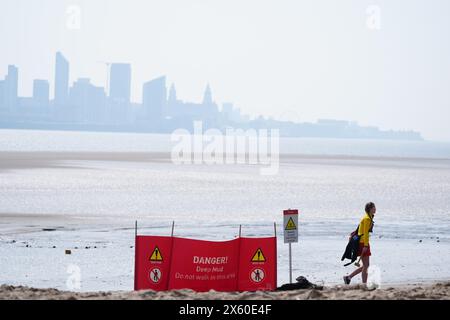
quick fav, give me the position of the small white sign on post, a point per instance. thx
(290, 227)
(290, 218)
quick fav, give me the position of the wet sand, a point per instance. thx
(28, 160)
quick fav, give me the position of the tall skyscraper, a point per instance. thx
(61, 79)
(40, 92)
(172, 94)
(2, 93)
(120, 83)
(209, 107)
(10, 87)
(154, 98)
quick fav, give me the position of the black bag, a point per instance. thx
(351, 251)
(302, 283)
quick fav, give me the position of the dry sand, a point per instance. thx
(435, 291)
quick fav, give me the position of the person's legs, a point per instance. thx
(365, 268)
(356, 272)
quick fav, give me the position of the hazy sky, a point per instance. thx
(290, 59)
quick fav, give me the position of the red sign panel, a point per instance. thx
(258, 264)
(152, 262)
(204, 265)
(242, 264)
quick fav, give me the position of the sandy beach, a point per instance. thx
(435, 291)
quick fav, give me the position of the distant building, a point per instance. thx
(2, 94)
(207, 96)
(61, 79)
(10, 87)
(87, 101)
(120, 83)
(231, 114)
(119, 93)
(186, 112)
(154, 98)
(227, 110)
(173, 94)
(210, 110)
(175, 107)
(40, 92)
(335, 123)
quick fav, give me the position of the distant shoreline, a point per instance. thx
(28, 140)
(47, 159)
(144, 129)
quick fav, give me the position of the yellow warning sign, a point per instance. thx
(259, 256)
(290, 225)
(156, 255)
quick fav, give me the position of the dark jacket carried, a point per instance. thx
(351, 251)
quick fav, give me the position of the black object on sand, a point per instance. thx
(302, 283)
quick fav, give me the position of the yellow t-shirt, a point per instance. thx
(364, 227)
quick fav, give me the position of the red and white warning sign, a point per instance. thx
(258, 264)
(152, 262)
(242, 264)
(155, 275)
(290, 223)
(257, 275)
(204, 265)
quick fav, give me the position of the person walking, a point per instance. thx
(365, 227)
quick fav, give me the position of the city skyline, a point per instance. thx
(82, 102)
(302, 60)
(89, 107)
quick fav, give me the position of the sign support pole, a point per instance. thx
(173, 226)
(135, 255)
(290, 262)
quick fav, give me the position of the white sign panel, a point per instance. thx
(290, 223)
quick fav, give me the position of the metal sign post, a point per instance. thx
(135, 229)
(290, 262)
(290, 223)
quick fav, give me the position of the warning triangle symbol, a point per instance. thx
(259, 256)
(156, 255)
(290, 225)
